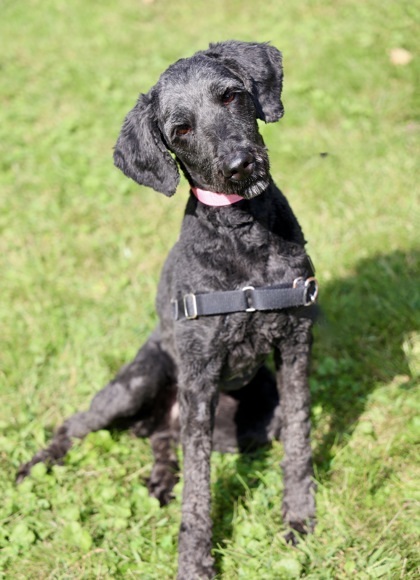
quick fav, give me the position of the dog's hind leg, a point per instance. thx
(164, 441)
(126, 398)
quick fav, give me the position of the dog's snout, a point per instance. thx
(238, 166)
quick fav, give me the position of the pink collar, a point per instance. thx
(215, 199)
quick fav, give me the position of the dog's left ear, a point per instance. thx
(259, 66)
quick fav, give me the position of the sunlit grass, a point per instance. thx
(81, 248)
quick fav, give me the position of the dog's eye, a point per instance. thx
(183, 130)
(228, 97)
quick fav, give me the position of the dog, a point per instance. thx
(237, 286)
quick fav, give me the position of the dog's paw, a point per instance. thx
(23, 472)
(161, 482)
(298, 531)
(197, 571)
(291, 538)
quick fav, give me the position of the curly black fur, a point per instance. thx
(205, 379)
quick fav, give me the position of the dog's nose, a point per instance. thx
(238, 166)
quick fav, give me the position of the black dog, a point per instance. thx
(233, 289)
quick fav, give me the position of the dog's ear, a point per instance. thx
(141, 153)
(260, 68)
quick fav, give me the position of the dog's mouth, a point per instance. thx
(254, 188)
(248, 188)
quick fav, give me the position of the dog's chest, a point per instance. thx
(248, 339)
(231, 251)
(248, 255)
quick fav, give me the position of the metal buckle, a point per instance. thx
(248, 298)
(194, 313)
(311, 290)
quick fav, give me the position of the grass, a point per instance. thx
(80, 252)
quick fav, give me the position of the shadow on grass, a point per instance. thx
(369, 317)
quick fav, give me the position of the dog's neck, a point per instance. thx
(215, 199)
(269, 211)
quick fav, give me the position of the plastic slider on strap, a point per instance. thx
(249, 293)
(190, 306)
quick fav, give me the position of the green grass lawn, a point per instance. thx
(81, 248)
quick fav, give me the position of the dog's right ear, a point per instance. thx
(140, 152)
(260, 67)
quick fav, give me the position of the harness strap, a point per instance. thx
(302, 292)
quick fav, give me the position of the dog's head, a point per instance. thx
(204, 110)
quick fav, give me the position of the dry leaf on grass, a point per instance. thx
(400, 56)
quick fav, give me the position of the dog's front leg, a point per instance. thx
(197, 399)
(292, 379)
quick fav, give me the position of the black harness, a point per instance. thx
(300, 292)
